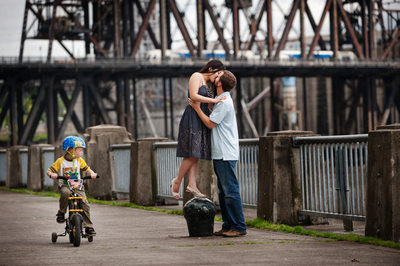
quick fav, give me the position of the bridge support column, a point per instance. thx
(98, 142)
(383, 183)
(279, 183)
(143, 185)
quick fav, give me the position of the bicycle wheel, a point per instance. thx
(76, 230)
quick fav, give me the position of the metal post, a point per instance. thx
(305, 103)
(163, 28)
(200, 28)
(270, 38)
(127, 101)
(51, 29)
(236, 33)
(302, 30)
(165, 107)
(135, 120)
(117, 30)
(334, 29)
(239, 106)
(24, 32)
(48, 83)
(171, 106)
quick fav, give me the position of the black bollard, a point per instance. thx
(199, 214)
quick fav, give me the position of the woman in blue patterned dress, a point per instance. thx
(194, 138)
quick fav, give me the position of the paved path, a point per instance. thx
(127, 236)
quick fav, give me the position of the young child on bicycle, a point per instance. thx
(70, 166)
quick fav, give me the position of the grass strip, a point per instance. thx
(262, 224)
(256, 223)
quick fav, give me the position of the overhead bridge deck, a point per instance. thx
(143, 69)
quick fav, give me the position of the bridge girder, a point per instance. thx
(116, 29)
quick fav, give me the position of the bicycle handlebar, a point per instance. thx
(84, 178)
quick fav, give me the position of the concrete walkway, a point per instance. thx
(127, 236)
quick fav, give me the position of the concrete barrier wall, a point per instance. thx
(383, 183)
(143, 184)
(14, 167)
(279, 193)
(35, 168)
(98, 156)
(279, 184)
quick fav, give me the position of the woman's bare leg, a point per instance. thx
(192, 186)
(193, 174)
(186, 164)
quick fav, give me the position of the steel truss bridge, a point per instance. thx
(115, 32)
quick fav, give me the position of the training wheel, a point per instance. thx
(54, 237)
(90, 238)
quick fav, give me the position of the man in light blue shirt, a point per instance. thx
(225, 154)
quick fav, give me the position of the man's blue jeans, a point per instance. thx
(229, 195)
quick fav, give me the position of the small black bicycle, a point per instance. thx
(73, 224)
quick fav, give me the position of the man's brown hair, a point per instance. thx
(228, 80)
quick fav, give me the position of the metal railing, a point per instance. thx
(23, 153)
(247, 169)
(167, 167)
(3, 166)
(333, 173)
(48, 157)
(121, 161)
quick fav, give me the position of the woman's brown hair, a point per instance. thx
(212, 67)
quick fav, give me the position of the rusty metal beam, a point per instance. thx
(317, 29)
(350, 30)
(270, 38)
(74, 117)
(4, 101)
(48, 84)
(65, 48)
(200, 27)
(24, 33)
(302, 29)
(256, 27)
(69, 106)
(364, 22)
(395, 39)
(334, 30)
(4, 110)
(217, 28)
(288, 26)
(236, 32)
(182, 27)
(351, 118)
(117, 29)
(389, 103)
(149, 28)
(98, 102)
(90, 37)
(371, 29)
(51, 30)
(143, 28)
(34, 116)
(163, 27)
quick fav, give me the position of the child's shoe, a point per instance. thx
(90, 231)
(60, 217)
